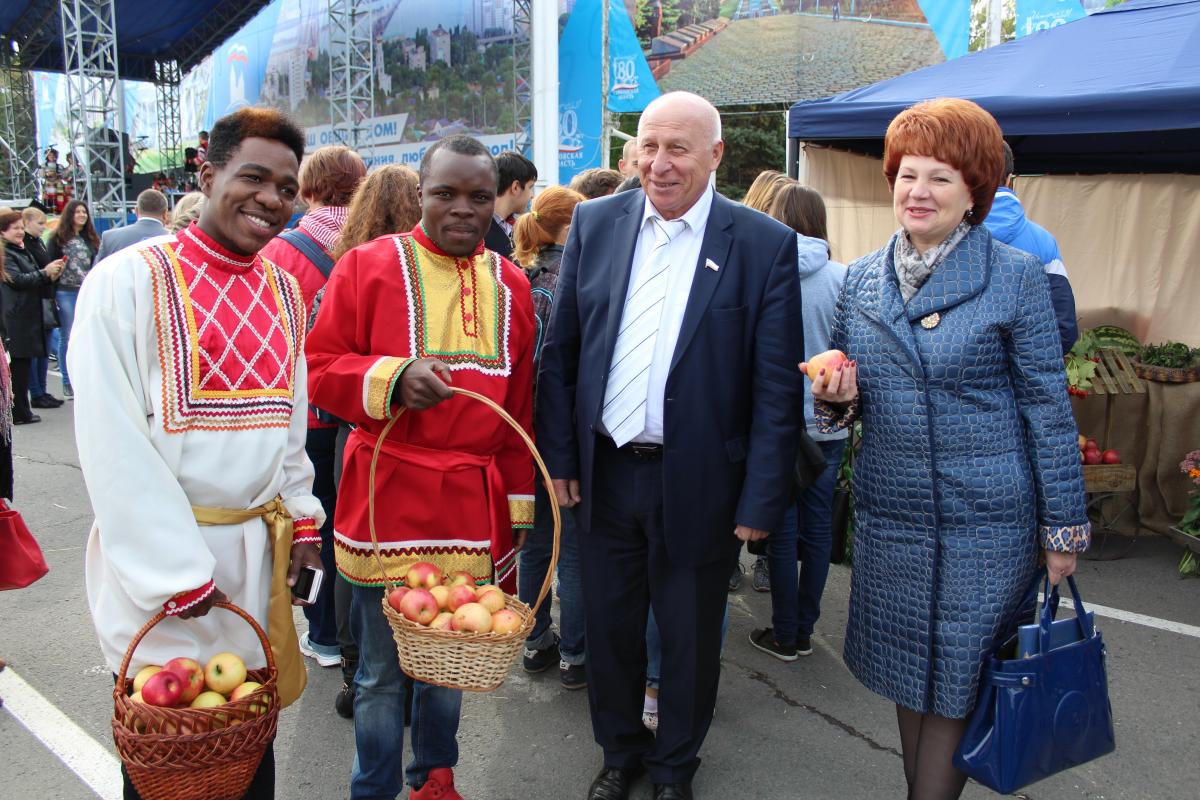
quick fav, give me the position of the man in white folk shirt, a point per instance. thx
(191, 411)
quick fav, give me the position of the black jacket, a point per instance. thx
(22, 293)
(498, 241)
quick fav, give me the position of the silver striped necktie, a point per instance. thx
(625, 397)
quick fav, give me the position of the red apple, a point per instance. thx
(492, 599)
(828, 361)
(162, 689)
(395, 596)
(1090, 444)
(192, 675)
(420, 606)
(1092, 457)
(506, 621)
(224, 672)
(1110, 457)
(461, 595)
(442, 621)
(472, 617)
(442, 595)
(143, 675)
(423, 575)
(459, 578)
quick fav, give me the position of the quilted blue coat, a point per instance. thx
(969, 465)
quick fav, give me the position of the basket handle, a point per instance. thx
(160, 616)
(504, 415)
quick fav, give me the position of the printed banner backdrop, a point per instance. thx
(240, 65)
(631, 84)
(951, 23)
(1041, 15)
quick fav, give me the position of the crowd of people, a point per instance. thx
(654, 333)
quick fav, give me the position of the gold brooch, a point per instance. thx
(930, 322)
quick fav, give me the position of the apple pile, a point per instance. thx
(452, 602)
(1089, 453)
(183, 683)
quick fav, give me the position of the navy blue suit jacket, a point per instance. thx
(731, 416)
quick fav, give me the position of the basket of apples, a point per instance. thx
(186, 730)
(449, 630)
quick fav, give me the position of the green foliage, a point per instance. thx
(1171, 355)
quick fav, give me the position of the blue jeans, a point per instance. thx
(66, 316)
(654, 648)
(379, 711)
(806, 535)
(535, 560)
(322, 622)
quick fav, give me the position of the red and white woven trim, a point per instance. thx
(305, 531)
(186, 600)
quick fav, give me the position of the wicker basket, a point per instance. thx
(473, 662)
(197, 753)
(1166, 374)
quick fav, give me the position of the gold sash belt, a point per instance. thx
(281, 629)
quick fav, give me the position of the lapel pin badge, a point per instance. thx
(930, 322)
(710, 264)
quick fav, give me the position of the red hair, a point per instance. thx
(551, 212)
(330, 175)
(956, 132)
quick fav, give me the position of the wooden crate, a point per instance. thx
(1099, 478)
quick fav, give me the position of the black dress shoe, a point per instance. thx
(614, 783)
(26, 420)
(46, 401)
(673, 791)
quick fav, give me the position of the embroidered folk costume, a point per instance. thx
(453, 481)
(191, 400)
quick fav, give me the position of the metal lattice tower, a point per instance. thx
(90, 63)
(351, 70)
(522, 70)
(18, 140)
(167, 76)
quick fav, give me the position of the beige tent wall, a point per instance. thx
(1131, 243)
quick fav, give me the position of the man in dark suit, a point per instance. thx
(667, 413)
(513, 192)
(151, 220)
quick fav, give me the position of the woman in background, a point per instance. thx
(538, 240)
(76, 243)
(807, 531)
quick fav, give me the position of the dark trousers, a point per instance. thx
(342, 587)
(19, 369)
(262, 786)
(626, 571)
(322, 622)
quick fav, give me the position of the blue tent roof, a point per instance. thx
(1118, 91)
(147, 30)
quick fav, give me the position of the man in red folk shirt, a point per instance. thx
(403, 318)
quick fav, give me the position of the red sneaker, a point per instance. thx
(438, 786)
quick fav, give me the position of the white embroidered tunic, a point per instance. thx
(190, 389)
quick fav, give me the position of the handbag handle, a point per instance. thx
(1050, 611)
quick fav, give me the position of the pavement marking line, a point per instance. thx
(91, 762)
(1170, 626)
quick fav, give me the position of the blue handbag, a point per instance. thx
(1040, 715)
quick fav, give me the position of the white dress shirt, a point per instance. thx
(684, 255)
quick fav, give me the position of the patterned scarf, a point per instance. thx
(913, 268)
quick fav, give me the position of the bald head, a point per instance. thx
(679, 147)
(687, 108)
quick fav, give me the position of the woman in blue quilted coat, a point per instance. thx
(969, 468)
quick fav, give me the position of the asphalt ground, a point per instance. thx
(802, 730)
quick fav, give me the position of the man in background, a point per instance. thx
(151, 221)
(1008, 223)
(596, 182)
(515, 190)
(628, 163)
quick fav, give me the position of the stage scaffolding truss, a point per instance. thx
(93, 104)
(167, 77)
(522, 73)
(351, 71)
(18, 140)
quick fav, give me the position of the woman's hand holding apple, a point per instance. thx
(834, 380)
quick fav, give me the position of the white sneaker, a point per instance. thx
(324, 659)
